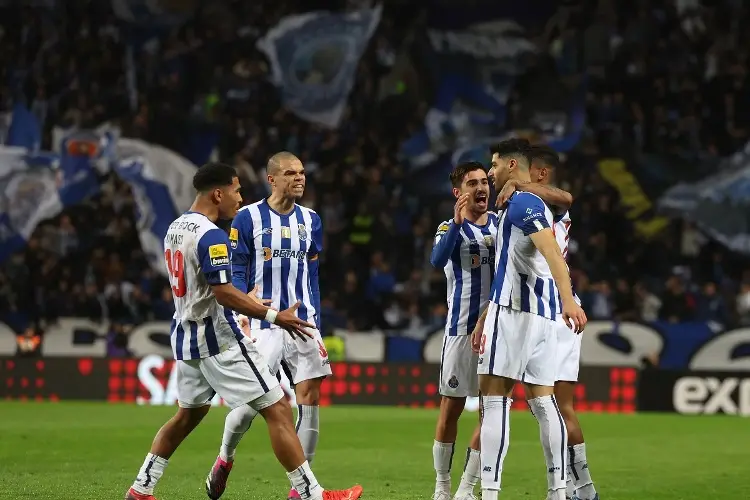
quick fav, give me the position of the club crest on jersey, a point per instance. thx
(233, 237)
(453, 382)
(219, 255)
(286, 233)
(302, 232)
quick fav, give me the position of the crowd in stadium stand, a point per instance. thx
(664, 75)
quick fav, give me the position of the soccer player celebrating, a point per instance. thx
(518, 341)
(275, 247)
(544, 164)
(465, 250)
(212, 354)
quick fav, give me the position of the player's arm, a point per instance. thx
(527, 213)
(213, 256)
(555, 197)
(313, 265)
(445, 242)
(241, 241)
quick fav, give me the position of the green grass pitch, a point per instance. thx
(93, 451)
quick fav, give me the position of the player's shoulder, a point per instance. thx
(443, 227)
(309, 212)
(525, 199)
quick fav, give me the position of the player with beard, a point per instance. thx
(545, 162)
(518, 341)
(465, 249)
(275, 247)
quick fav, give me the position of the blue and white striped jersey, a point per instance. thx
(278, 252)
(197, 256)
(523, 280)
(467, 255)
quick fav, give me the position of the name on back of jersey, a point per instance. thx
(219, 255)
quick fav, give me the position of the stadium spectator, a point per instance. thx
(665, 77)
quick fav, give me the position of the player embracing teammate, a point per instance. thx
(516, 166)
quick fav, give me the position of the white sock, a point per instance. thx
(442, 457)
(308, 429)
(554, 437)
(150, 473)
(303, 480)
(235, 426)
(579, 472)
(470, 477)
(495, 440)
(569, 486)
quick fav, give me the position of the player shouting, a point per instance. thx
(465, 250)
(544, 165)
(518, 341)
(275, 247)
(212, 355)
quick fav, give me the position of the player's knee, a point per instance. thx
(451, 408)
(308, 392)
(187, 419)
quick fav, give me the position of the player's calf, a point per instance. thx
(443, 448)
(579, 474)
(169, 437)
(554, 437)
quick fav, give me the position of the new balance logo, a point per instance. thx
(487, 468)
(553, 469)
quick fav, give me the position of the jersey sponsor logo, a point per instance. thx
(443, 228)
(478, 260)
(286, 233)
(282, 253)
(219, 254)
(190, 227)
(532, 216)
(234, 236)
(302, 232)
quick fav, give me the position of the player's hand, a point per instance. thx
(459, 211)
(245, 327)
(574, 317)
(253, 294)
(287, 320)
(505, 193)
(476, 337)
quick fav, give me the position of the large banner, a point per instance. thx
(695, 393)
(476, 54)
(314, 58)
(152, 381)
(162, 185)
(38, 186)
(718, 204)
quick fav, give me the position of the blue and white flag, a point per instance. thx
(162, 185)
(33, 188)
(314, 60)
(718, 204)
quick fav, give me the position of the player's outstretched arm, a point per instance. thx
(546, 243)
(555, 197)
(228, 296)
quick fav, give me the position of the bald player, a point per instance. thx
(275, 245)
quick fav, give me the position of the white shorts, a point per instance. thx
(458, 368)
(301, 360)
(518, 345)
(568, 353)
(239, 375)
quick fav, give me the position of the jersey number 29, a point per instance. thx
(176, 266)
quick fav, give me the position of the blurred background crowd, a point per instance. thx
(665, 77)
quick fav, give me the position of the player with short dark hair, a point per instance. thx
(276, 244)
(518, 340)
(211, 352)
(464, 248)
(545, 163)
